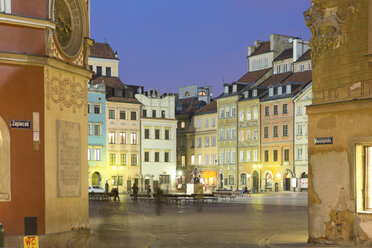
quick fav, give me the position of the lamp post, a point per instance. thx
(259, 166)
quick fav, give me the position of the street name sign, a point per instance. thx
(323, 141)
(20, 124)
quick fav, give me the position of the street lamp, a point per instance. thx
(259, 166)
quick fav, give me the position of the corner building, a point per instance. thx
(340, 134)
(38, 57)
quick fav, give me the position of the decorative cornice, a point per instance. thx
(26, 21)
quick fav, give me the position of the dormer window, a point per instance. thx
(280, 90)
(254, 93)
(277, 69)
(245, 94)
(271, 91)
(288, 91)
(302, 67)
(226, 89)
(235, 88)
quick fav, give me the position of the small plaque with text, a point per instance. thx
(323, 141)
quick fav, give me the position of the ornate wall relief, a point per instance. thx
(325, 29)
(66, 92)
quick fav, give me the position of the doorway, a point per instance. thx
(96, 179)
(255, 182)
(221, 181)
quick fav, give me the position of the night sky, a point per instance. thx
(172, 43)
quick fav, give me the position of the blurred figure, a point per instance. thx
(135, 192)
(199, 196)
(158, 198)
(148, 189)
(106, 187)
(115, 194)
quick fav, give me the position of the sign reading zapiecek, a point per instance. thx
(323, 141)
(20, 124)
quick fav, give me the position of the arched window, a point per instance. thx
(202, 93)
(243, 179)
(187, 93)
(4, 161)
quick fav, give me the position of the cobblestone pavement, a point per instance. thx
(264, 220)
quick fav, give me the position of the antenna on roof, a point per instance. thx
(105, 40)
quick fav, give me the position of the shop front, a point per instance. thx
(209, 179)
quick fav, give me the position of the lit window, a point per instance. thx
(183, 125)
(89, 154)
(202, 93)
(97, 154)
(133, 138)
(111, 137)
(122, 138)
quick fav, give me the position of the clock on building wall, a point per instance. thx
(69, 31)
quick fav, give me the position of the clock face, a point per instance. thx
(69, 26)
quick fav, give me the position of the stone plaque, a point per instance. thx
(68, 159)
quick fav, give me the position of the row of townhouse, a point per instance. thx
(131, 133)
(255, 133)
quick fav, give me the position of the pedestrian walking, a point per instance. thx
(158, 198)
(135, 192)
(148, 190)
(115, 193)
(106, 187)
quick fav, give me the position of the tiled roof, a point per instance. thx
(305, 56)
(190, 105)
(112, 82)
(210, 108)
(299, 77)
(263, 48)
(253, 76)
(123, 99)
(286, 54)
(102, 50)
(275, 79)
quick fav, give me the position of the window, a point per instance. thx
(206, 122)
(302, 67)
(291, 67)
(123, 115)
(275, 109)
(221, 134)
(227, 113)
(122, 137)
(108, 71)
(241, 156)
(285, 68)
(164, 179)
(266, 132)
(199, 142)
(144, 113)
(97, 109)
(299, 110)
(213, 140)
(255, 155)
(206, 159)
(309, 66)
(275, 131)
(277, 69)
(133, 159)
(221, 158)
(227, 134)
(280, 90)
(221, 114)
(147, 156)
(213, 122)
(147, 133)
(233, 133)
(117, 180)
(241, 116)
(243, 179)
(241, 136)
(213, 159)
(255, 114)
(90, 66)
(111, 137)
(206, 141)
(192, 159)
(365, 186)
(233, 112)
(254, 93)
(154, 113)
(199, 159)
(97, 154)
(267, 111)
(166, 157)
(99, 70)
(249, 116)
(248, 134)
(89, 154)
(227, 158)
(299, 129)
(266, 62)
(157, 157)
(275, 156)
(271, 91)
(285, 130)
(299, 153)
(288, 89)
(231, 180)
(254, 65)
(88, 108)
(166, 134)
(133, 115)
(112, 159)
(248, 156)
(183, 125)
(123, 159)
(157, 133)
(111, 114)
(255, 135)
(162, 114)
(192, 143)
(183, 161)
(97, 129)
(233, 157)
(199, 124)
(285, 108)
(133, 138)
(202, 93)
(286, 155)
(266, 159)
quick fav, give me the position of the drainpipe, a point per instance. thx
(294, 138)
(237, 151)
(140, 145)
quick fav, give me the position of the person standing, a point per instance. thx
(106, 187)
(135, 192)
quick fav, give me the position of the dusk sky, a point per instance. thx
(172, 43)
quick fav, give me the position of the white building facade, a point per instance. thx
(158, 140)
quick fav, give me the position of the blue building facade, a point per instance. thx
(97, 166)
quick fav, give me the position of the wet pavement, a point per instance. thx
(262, 220)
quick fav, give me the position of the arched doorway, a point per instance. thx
(304, 181)
(255, 182)
(96, 179)
(268, 181)
(243, 179)
(221, 181)
(4, 161)
(287, 180)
